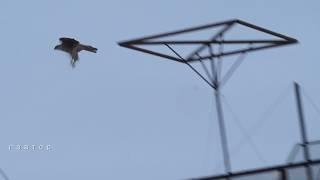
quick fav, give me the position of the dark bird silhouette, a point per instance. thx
(72, 46)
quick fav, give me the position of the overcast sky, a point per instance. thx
(122, 114)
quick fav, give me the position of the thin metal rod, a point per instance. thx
(293, 153)
(315, 106)
(192, 42)
(219, 62)
(213, 66)
(260, 170)
(180, 31)
(241, 127)
(205, 68)
(186, 62)
(232, 69)
(222, 129)
(3, 174)
(202, 47)
(153, 53)
(296, 148)
(283, 174)
(229, 53)
(314, 142)
(303, 131)
(289, 39)
(226, 23)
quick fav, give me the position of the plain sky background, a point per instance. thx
(121, 114)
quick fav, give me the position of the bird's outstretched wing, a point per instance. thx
(69, 41)
(87, 48)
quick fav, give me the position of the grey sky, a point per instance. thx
(121, 114)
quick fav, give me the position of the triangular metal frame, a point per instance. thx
(227, 25)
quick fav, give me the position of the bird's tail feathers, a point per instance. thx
(73, 63)
(89, 48)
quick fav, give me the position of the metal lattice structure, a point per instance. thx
(216, 40)
(215, 79)
(227, 25)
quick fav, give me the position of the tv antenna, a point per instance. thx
(215, 53)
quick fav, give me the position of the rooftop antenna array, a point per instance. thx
(213, 50)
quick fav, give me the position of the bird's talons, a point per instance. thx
(73, 63)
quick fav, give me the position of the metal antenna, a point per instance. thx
(215, 80)
(303, 130)
(217, 93)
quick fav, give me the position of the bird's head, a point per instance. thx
(58, 47)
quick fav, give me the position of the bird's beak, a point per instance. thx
(56, 47)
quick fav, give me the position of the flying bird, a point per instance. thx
(73, 47)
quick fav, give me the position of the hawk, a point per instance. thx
(72, 46)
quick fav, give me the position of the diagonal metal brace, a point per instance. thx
(186, 62)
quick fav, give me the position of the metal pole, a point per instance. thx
(3, 174)
(303, 131)
(283, 174)
(222, 129)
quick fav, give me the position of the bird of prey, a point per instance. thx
(73, 47)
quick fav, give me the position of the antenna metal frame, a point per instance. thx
(215, 81)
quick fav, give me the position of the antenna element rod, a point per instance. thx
(303, 131)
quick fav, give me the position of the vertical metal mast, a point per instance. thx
(217, 93)
(303, 131)
(222, 129)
